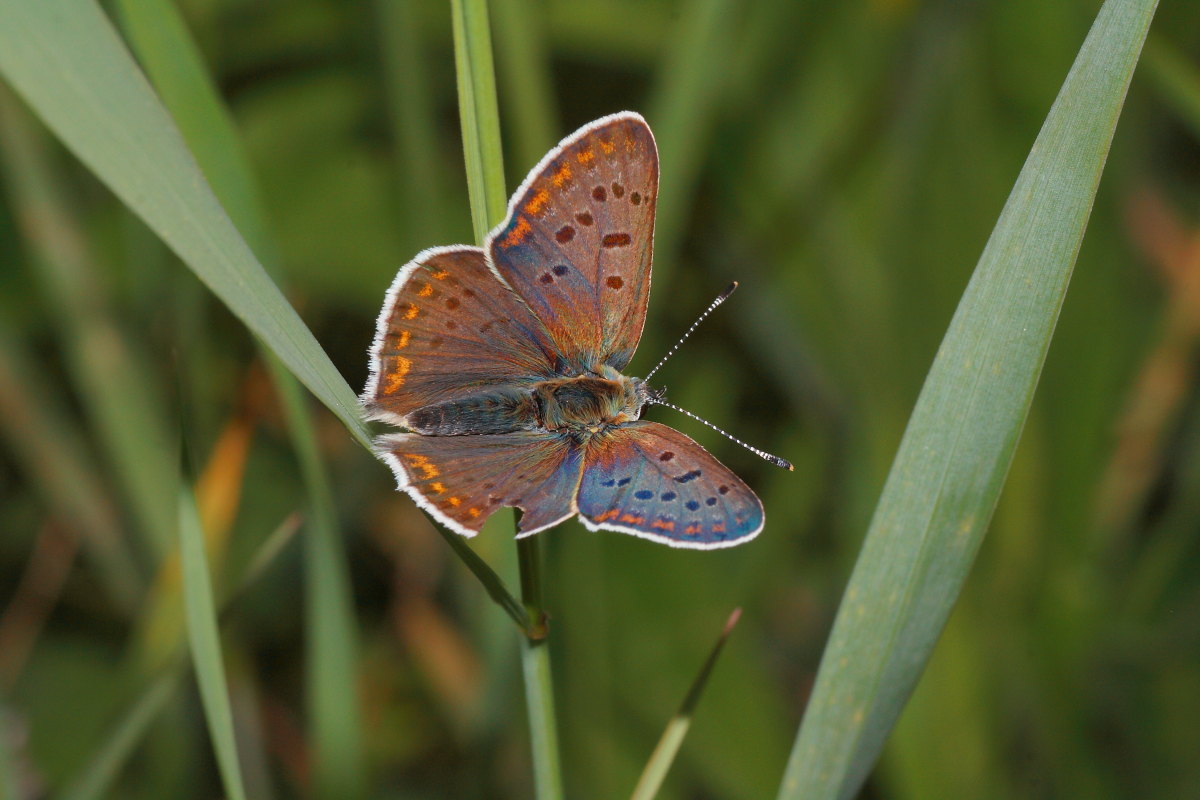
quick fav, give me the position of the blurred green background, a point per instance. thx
(845, 162)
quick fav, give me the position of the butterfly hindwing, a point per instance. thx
(461, 480)
(653, 481)
(448, 329)
(578, 240)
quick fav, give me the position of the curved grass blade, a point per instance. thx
(668, 746)
(947, 475)
(173, 62)
(205, 642)
(68, 63)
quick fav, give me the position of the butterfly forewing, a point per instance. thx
(653, 481)
(577, 243)
(461, 480)
(448, 329)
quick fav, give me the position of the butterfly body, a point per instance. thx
(504, 362)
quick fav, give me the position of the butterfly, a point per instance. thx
(504, 364)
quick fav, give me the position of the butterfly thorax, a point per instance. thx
(587, 404)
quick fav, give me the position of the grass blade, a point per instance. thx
(485, 185)
(480, 115)
(947, 475)
(668, 746)
(205, 642)
(65, 59)
(173, 62)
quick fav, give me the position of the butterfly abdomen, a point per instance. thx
(498, 411)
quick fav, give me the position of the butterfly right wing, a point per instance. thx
(461, 480)
(654, 482)
(449, 329)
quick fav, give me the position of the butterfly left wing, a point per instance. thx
(578, 240)
(449, 329)
(654, 482)
(461, 480)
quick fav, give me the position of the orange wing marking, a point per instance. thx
(561, 176)
(420, 462)
(401, 339)
(607, 515)
(663, 524)
(632, 520)
(517, 234)
(607, 147)
(410, 311)
(395, 376)
(691, 529)
(585, 156)
(425, 290)
(538, 202)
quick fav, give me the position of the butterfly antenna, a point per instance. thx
(763, 454)
(721, 298)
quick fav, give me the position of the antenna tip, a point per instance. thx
(782, 462)
(728, 291)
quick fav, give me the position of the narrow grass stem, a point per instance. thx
(480, 117)
(539, 686)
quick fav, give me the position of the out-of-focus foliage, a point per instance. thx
(844, 161)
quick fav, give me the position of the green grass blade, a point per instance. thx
(539, 680)
(98, 776)
(668, 746)
(485, 184)
(492, 582)
(205, 642)
(112, 383)
(947, 475)
(168, 54)
(68, 63)
(480, 115)
(173, 62)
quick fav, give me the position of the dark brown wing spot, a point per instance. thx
(451, 324)
(468, 293)
(487, 326)
(560, 270)
(665, 455)
(600, 193)
(723, 490)
(565, 234)
(618, 190)
(435, 341)
(584, 218)
(453, 303)
(635, 198)
(546, 277)
(615, 282)
(617, 240)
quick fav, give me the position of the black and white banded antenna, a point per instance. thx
(763, 454)
(656, 398)
(721, 298)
